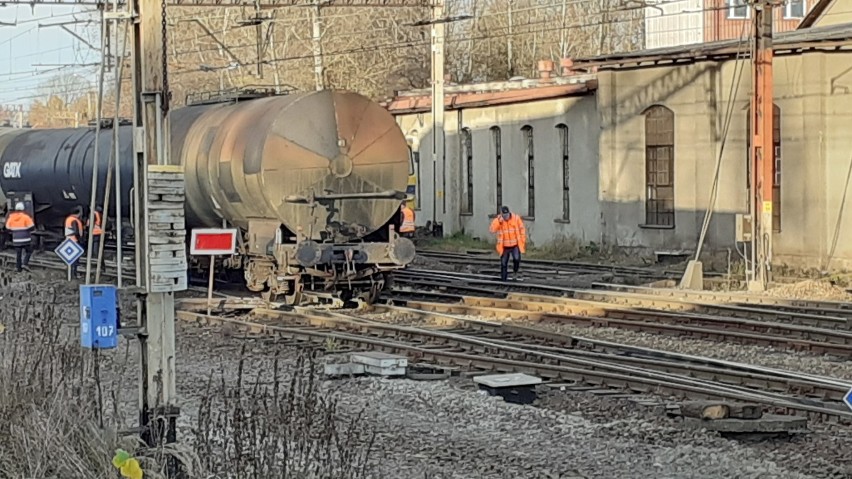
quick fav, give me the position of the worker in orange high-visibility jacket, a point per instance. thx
(97, 230)
(21, 226)
(406, 227)
(511, 240)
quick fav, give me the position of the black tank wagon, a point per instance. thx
(312, 180)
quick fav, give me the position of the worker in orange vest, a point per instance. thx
(406, 228)
(511, 241)
(21, 225)
(97, 231)
(74, 231)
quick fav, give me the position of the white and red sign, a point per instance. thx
(213, 241)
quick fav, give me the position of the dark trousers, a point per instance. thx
(513, 252)
(96, 244)
(20, 249)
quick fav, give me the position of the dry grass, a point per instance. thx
(560, 247)
(50, 403)
(60, 409)
(458, 242)
(278, 424)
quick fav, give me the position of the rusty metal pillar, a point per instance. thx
(762, 156)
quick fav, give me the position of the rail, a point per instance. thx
(667, 376)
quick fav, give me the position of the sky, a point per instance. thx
(25, 47)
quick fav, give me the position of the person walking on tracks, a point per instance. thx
(511, 241)
(407, 227)
(74, 231)
(21, 225)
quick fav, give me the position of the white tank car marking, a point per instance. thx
(12, 169)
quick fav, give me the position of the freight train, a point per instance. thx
(312, 180)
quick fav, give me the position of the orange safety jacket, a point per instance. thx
(509, 233)
(407, 220)
(73, 227)
(97, 230)
(21, 226)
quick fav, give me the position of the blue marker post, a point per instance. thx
(98, 316)
(847, 398)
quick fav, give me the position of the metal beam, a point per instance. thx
(261, 4)
(437, 34)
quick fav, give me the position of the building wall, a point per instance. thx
(685, 22)
(719, 24)
(674, 23)
(577, 113)
(813, 92)
(839, 11)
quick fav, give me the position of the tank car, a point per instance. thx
(313, 181)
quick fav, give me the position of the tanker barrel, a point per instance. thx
(390, 195)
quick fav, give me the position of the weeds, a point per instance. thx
(49, 404)
(59, 419)
(272, 426)
(458, 242)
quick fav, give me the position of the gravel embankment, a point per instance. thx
(447, 430)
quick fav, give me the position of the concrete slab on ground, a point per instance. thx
(507, 380)
(769, 423)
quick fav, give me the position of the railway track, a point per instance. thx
(483, 346)
(551, 268)
(812, 313)
(800, 329)
(829, 308)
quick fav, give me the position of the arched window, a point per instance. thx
(467, 170)
(498, 160)
(529, 154)
(659, 166)
(562, 129)
(776, 181)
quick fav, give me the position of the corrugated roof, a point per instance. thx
(834, 36)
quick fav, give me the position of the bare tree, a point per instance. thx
(65, 103)
(374, 51)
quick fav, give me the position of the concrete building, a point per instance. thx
(645, 134)
(673, 23)
(663, 130)
(529, 144)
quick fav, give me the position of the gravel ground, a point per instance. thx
(447, 430)
(758, 355)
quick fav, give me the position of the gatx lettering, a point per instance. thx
(12, 169)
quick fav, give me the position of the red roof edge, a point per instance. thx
(402, 105)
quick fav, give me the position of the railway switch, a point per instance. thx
(98, 316)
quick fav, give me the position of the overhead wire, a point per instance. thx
(416, 43)
(449, 39)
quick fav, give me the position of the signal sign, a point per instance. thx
(69, 251)
(213, 241)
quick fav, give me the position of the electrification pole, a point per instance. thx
(160, 225)
(437, 29)
(762, 154)
(316, 40)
